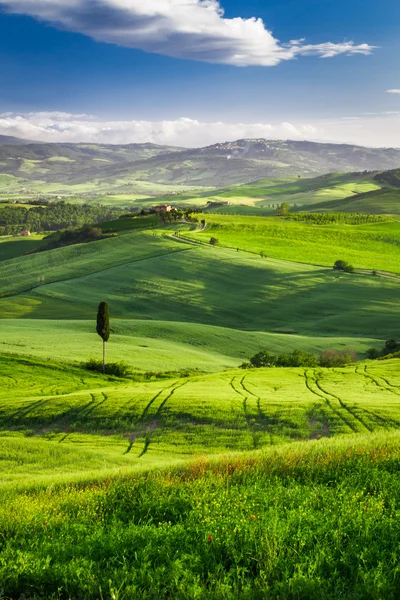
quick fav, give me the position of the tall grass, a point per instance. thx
(304, 522)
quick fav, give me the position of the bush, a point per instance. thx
(116, 369)
(337, 358)
(340, 265)
(391, 346)
(373, 353)
(348, 269)
(263, 359)
(214, 241)
(388, 356)
(298, 358)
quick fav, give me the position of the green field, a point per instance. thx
(54, 405)
(370, 246)
(11, 247)
(192, 478)
(288, 512)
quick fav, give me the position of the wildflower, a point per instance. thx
(44, 523)
(210, 538)
(252, 517)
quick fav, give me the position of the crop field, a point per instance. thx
(14, 247)
(160, 346)
(383, 201)
(67, 408)
(255, 484)
(192, 478)
(153, 278)
(370, 246)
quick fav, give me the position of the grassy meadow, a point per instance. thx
(369, 246)
(262, 484)
(192, 478)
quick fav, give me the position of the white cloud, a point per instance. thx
(189, 29)
(393, 91)
(369, 130)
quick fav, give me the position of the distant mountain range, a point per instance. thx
(215, 166)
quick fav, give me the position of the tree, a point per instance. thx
(283, 210)
(214, 241)
(340, 265)
(103, 327)
(348, 269)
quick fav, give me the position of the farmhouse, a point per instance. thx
(164, 208)
(25, 232)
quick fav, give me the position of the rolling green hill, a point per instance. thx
(381, 201)
(181, 306)
(121, 423)
(369, 246)
(255, 483)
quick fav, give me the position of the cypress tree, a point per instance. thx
(103, 327)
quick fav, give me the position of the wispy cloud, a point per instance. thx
(369, 130)
(189, 29)
(393, 91)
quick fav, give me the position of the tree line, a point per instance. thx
(53, 217)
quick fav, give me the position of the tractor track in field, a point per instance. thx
(343, 405)
(261, 414)
(150, 404)
(153, 426)
(245, 394)
(22, 413)
(375, 379)
(328, 401)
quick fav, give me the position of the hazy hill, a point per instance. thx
(217, 165)
(9, 140)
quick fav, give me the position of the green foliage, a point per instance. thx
(214, 241)
(297, 358)
(300, 358)
(340, 265)
(392, 346)
(389, 178)
(52, 217)
(337, 358)
(118, 369)
(348, 269)
(103, 321)
(282, 210)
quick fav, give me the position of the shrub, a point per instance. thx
(263, 359)
(298, 358)
(388, 356)
(348, 269)
(373, 353)
(340, 265)
(337, 358)
(119, 369)
(391, 346)
(214, 241)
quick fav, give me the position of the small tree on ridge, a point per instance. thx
(103, 327)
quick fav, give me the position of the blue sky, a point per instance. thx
(184, 59)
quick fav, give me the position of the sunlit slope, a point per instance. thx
(160, 346)
(382, 201)
(28, 272)
(144, 423)
(370, 246)
(216, 287)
